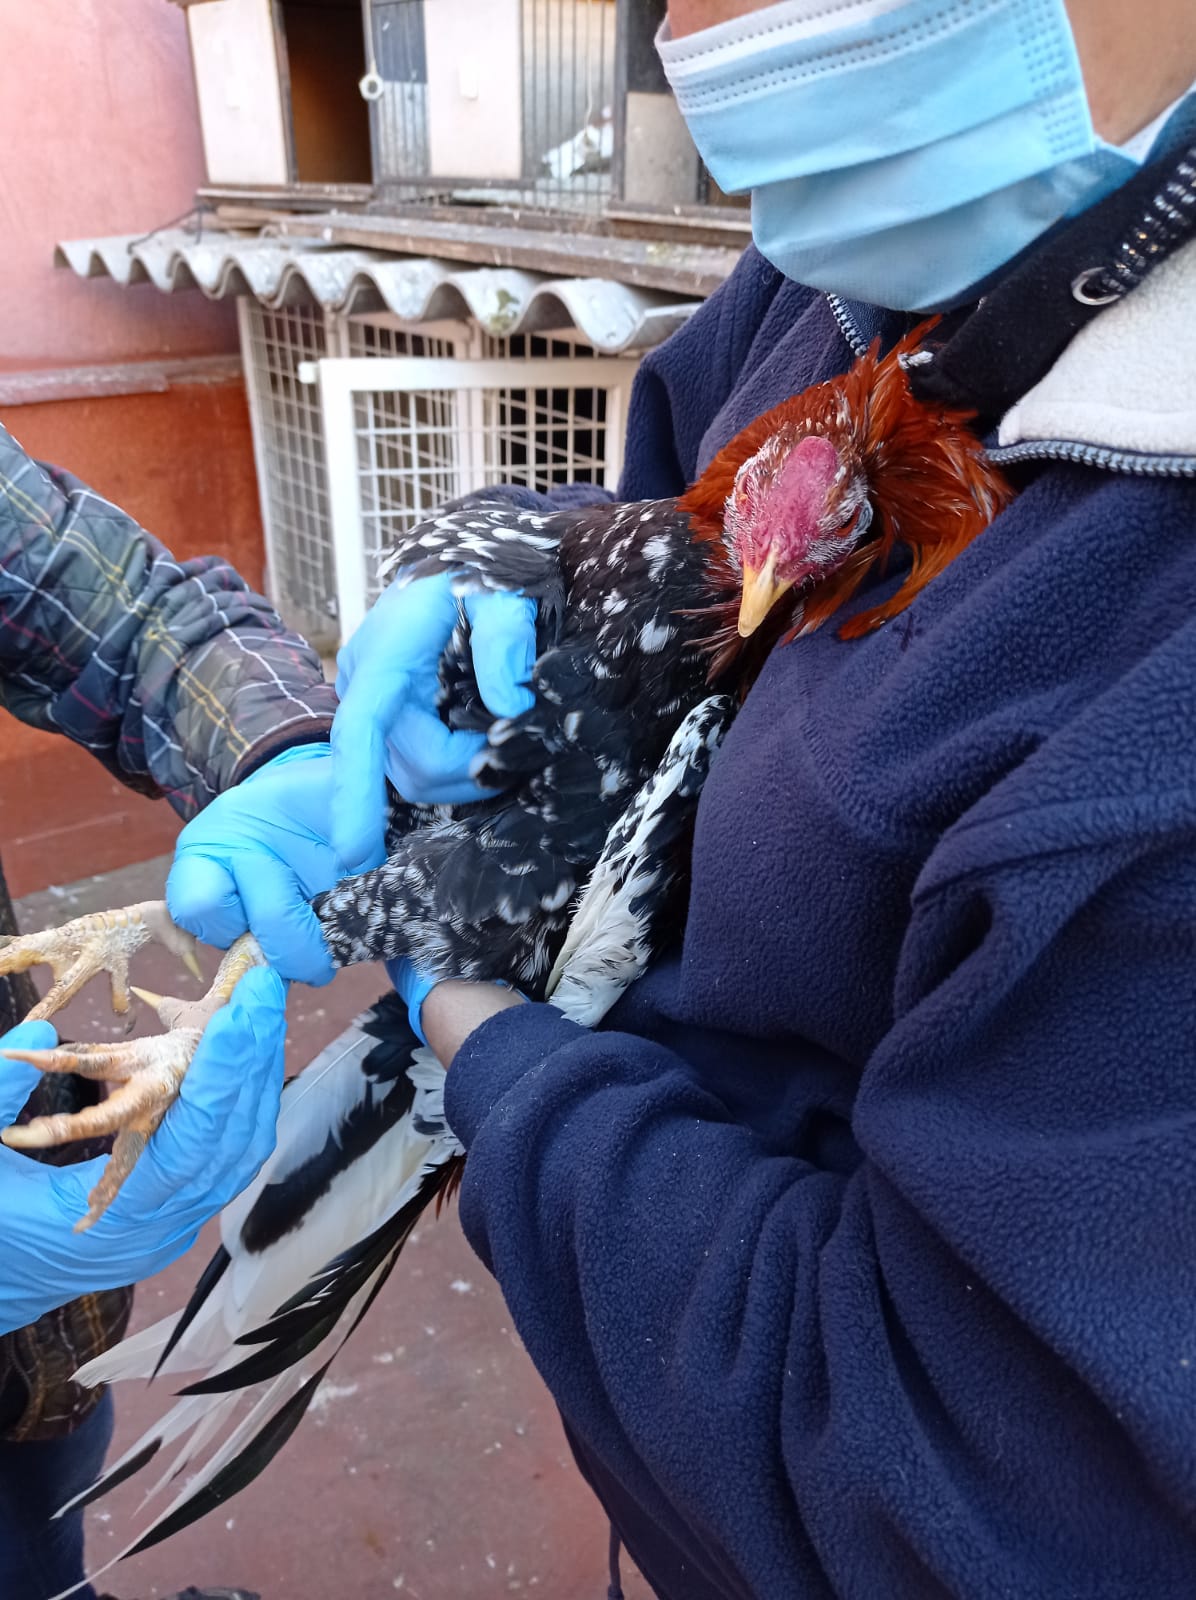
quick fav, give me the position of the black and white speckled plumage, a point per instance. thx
(617, 927)
(363, 1149)
(626, 614)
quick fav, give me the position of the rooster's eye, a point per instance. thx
(858, 517)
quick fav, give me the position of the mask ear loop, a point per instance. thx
(1169, 218)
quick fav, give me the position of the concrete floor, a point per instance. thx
(432, 1465)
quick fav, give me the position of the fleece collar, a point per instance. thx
(1127, 380)
(1057, 375)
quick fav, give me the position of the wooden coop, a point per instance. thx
(559, 104)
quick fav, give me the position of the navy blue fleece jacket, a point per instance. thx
(857, 1248)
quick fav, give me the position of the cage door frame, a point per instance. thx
(342, 379)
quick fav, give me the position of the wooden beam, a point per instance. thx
(114, 378)
(651, 263)
(731, 230)
(254, 204)
(289, 197)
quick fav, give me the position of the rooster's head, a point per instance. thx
(798, 508)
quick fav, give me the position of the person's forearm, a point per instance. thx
(735, 1304)
(454, 1009)
(176, 676)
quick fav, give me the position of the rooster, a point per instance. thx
(363, 1150)
(643, 610)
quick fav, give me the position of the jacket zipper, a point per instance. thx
(1095, 455)
(847, 327)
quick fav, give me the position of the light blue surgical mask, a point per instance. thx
(897, 151)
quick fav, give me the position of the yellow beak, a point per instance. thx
(761, 591)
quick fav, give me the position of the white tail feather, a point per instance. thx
(134, 1357)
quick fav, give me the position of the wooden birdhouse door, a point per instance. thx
(277, 82)
(475, 75)
(238, 83)
(325, 64)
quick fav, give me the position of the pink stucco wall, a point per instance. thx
(99, 134)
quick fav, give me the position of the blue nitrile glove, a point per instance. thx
(256, 856)
(387, 724)
(413, 989)
(211, 1144)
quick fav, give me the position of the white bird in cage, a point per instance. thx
(589, 150)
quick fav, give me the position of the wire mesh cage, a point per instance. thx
(407, 460)
(288, 437)
(399, 103)
(540, 104)
(419, 450)
(525, 409)
(404, 437)
(516, 98)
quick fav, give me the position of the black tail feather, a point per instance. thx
(310, 1316)
(242, 1470)
(210, 1277)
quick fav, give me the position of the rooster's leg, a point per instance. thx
(89, 945)
(149, 1072)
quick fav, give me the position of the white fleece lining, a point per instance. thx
(1127, 381)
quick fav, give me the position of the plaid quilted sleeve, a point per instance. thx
(174, 674)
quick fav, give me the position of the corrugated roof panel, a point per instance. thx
(609, 316)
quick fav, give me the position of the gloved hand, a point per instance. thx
(413, 987)
(387, 724)
(211, 1143)
(255, 857)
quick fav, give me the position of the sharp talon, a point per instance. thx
(148, 995)
(191, 962)
(130, 1142)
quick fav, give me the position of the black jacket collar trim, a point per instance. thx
(986, 357)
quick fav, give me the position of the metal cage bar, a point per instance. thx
(566, 100)
(548, 412)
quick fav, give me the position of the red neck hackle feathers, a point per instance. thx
(927, 478)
